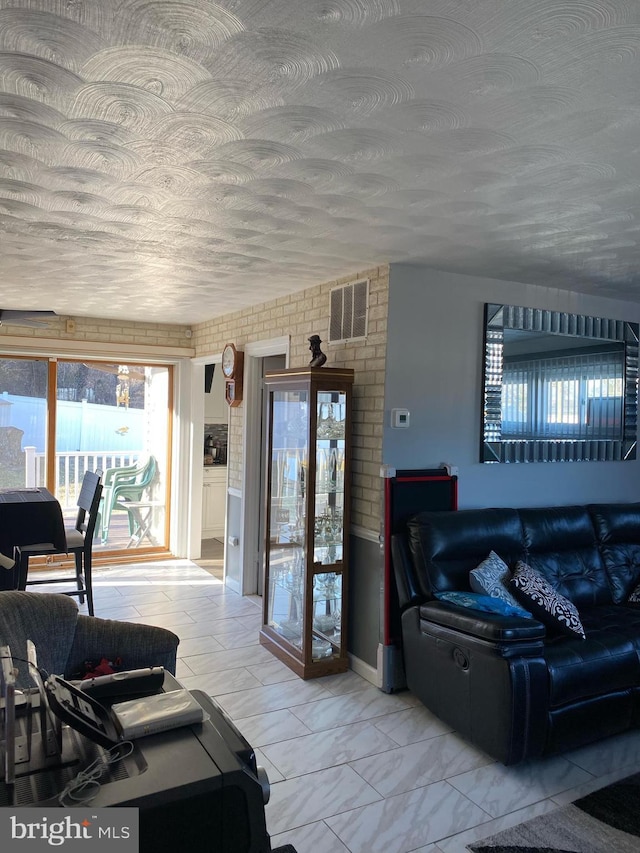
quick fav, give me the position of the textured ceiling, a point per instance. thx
(182, 158)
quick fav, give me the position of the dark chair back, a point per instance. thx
(86, 498)
(90, 482)
(88, 503)
(90, 526)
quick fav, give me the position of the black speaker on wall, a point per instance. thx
(208, 377)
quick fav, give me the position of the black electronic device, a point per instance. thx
(131, 682)
(8, 717)
(81, 711)
(197, 787)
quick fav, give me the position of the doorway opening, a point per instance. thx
(214, 477)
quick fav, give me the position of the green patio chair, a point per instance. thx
(113, 476)
(123, 474)
(125, 484)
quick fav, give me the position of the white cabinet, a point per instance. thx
(214, 503)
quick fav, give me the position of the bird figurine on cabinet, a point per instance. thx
(318, 358)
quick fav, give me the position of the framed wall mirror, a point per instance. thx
(558, 387)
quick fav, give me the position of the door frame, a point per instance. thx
(252, 453)
(193, 473)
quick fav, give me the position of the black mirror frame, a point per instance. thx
(493, 448)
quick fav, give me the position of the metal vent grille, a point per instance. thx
(348, 311)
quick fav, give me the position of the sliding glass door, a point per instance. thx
(24, 390)
(60, 418)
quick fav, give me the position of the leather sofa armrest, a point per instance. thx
(494, 692)
(492, 627)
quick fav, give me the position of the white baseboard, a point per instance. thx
(232, 584)
(213, 532)
(365, 670)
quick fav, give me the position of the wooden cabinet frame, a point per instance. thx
(307, 503)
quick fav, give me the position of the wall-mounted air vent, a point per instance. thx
(349, 310)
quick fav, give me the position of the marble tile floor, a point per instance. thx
(351, 768)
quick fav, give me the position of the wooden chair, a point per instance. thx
(79, 543)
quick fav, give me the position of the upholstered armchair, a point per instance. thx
(65, 639)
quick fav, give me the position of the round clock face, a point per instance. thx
(228, 360)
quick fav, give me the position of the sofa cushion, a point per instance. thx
(561, 546)
(491, 578)
(485, 603)
(546, 604)
(605, 662)
(617, 528)
(446, 545)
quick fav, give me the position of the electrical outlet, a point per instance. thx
(71, 327)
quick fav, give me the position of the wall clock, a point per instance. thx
(232, 368)
(231, 361)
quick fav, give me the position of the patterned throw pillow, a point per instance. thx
(546, 604)
(634, 597)
(485, 603)
(491, 578)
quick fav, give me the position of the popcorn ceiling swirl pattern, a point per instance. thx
(191, 158)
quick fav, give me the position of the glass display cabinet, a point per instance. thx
(307, 518)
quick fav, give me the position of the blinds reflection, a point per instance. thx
(576, 396)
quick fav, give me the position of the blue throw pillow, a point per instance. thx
(485, 603)
(491, 578)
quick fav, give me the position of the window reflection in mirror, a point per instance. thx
(554, 386)
(558, 387)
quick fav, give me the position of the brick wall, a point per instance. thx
(94, 330)
(300, 315)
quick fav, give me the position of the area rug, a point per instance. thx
(607, 821)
